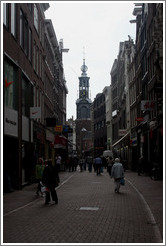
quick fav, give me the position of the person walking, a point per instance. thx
(98, 164)
(89, 161)
(109, 164)
(39, 174)
(58, 162)
(117, 173)
(50, 180)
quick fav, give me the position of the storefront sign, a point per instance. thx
(122, 132)
(11, 122)
(139, 119)
(148, 105)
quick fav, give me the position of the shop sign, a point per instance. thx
(122, 132)
(11, 122)
(148, 105)
(58, 128)
(134, 141)
(139, 119)
(35, 112)
(49, 136)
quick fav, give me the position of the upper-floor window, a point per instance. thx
(6, 14)
(13, 19)
(27, 96)
(21, 29)
(36, 17)
(30, 45)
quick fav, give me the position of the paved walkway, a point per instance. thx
(88, 211)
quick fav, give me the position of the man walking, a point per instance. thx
(98, 165)
(117, 173)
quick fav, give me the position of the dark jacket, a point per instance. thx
(50, 176)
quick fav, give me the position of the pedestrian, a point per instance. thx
(81, 161)
(98, 164)
(50, 180)
(39, 173)
(89, 161)
(140, 164)
(58, 162)
(117, 173)
(109, 164)
(71, 164)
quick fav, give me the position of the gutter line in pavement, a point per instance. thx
(30, 203)
(149, 215)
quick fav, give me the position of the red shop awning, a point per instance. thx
(60, 142)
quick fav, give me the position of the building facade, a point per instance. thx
(137, 91)
(30, 51)
(100, 128)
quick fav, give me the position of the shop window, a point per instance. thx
(11, 85)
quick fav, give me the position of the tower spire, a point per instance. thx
(84, 68)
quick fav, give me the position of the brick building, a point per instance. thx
(30, 53)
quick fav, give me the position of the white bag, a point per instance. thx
(43, 187)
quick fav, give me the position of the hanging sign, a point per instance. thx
(58, 128)
(35, 112)
(148, 105)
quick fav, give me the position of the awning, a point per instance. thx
(120, 139)
(60, 142)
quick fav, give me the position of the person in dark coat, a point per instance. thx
(50, 180)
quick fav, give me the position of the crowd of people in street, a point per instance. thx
(47, 174)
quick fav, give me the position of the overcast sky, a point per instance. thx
(99, 27)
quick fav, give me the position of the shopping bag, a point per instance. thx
(122, 181)
(43, 187)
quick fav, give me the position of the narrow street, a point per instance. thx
(88, 211)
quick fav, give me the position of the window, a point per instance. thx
(26, 37)
(30, 45)
(13, 19)
(37, 60)
(11, 94)
(35, 17)
(6, 14)
(40, 64)
(34, 56)
(27, 96)
(21, 29)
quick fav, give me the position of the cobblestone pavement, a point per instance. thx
(88, 211)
